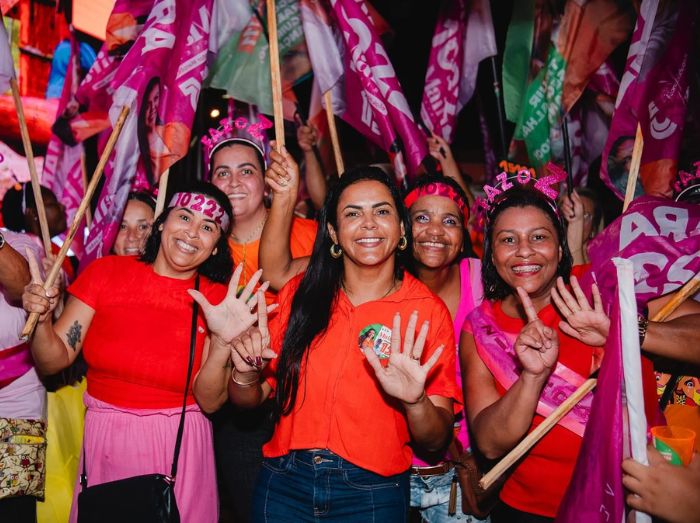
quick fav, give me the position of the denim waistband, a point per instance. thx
(320, 459)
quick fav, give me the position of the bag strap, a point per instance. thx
(181, 426)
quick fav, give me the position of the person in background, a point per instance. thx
(314, 182)
(439, 212)
(136, 224)
(22, 395)
(442, 152)
(583, 215)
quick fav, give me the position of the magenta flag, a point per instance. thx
(62, 171)
(463, 37)
(654, 93)
(349, 58)
(7, 66)
(159, 79)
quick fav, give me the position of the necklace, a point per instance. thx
(255, 235)
(391, 288)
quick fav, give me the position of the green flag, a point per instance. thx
(516, 56)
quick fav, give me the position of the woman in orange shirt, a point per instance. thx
(521, 356)
(345, 416)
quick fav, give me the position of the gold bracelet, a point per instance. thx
(420, 398)
(240, 384)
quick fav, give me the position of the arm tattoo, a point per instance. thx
(73, 335)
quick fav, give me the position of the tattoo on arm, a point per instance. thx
(73, 335)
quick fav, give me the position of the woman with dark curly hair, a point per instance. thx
(345, 416)
(132, 318)
(521, 356)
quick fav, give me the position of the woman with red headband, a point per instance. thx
(132, 318)
(528, 345)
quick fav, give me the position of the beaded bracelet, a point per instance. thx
(241, 384)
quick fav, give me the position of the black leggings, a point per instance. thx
(503, 513)
(21, 509)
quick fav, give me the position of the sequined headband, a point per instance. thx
(496, 194)
(437, 189)
(201, 203)
(239, 129)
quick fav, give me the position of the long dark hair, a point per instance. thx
(142, 130)
(218, 267)
(314, 299)
(520, 196)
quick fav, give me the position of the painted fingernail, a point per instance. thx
(258, 361)
(249, 361)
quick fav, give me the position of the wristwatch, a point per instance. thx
(2, 240)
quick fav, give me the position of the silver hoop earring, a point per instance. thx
(403, 243)
(336, 251)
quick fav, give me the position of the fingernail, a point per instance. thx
(258, 361)
(249, 360)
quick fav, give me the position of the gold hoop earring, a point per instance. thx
(403, 243)
(215, 251)
(160, 228)
(336, 251)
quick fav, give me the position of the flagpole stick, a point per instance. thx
(501, 109)
(75, 226)
(83, 169)
(162, 189)
(275, 73)
(567, 156)
(690, 288)
(328, 97)
(634, 168)
(29, 153)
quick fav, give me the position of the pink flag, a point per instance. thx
(351, 60)
(654, 93)
(463, 38)
(159, 79)
(7, 66)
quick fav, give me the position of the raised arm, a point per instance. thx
(55, 346)
(677, 338)
(275, 256)
(441, 151)
(499, 422)
(307, 137)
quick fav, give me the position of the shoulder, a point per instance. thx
(304, 224)
(287, 292)
(419, 296)
(21, 242)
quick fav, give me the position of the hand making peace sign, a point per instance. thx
(537, 345)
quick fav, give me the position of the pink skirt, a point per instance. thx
(120, 443)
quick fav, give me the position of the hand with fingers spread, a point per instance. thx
(537, 345)
(35, 298)
(589, 325)
(404, 377)
(234, 315)
(251, 352)
(282, 175)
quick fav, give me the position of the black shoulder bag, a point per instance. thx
(141, 499)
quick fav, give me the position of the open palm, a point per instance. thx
(583, 322)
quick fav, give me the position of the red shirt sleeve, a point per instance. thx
(92, 281)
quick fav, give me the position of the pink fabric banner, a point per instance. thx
(159, 79)
(349, 58)
(654, 93)
(7, 65)
(463, 38)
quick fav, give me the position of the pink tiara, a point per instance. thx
(523, 177)
(240, 128)
(686, 179)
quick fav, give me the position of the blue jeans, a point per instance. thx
(321, 486)
(431, 496)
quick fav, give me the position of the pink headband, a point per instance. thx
(437, 189)
(201, 203)
(523, 177)
(240, 129)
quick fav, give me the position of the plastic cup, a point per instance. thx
(675, 443)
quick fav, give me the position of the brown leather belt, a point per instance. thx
(437, 470)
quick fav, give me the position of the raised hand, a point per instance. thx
(572, 207)
(251, 352)
(234, 315)
(282, 174)
(404, 377)
(35, 298)
(306, 137)
(589, 325)
(537, 345)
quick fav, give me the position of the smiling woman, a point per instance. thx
(520, 355)
(132, 318)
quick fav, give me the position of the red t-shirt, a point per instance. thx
(137, 346)
(341, 405)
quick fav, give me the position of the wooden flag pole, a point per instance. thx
(275, 73)
(83, 170)
(634, 168)
(690, 288)
(29, 153)
(162, 189)
(328, 97)
(75, 226)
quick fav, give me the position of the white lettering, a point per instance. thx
(634, 225)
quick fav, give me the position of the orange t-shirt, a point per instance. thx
(138, 344)
(301, 243)
(341, 405)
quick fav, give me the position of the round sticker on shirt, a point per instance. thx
(377, 337)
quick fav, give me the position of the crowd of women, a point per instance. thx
(383, 360)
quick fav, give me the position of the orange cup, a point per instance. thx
(675, 443)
